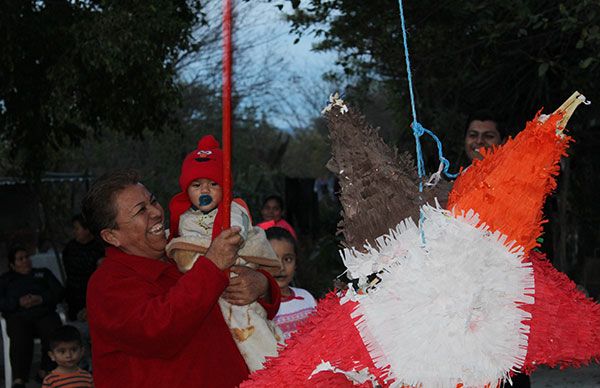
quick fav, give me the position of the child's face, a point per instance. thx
(205, 194)
(285, 251)
(67, 354)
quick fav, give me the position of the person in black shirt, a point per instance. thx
(81, 257)
(28, 299)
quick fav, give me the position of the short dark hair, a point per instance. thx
(66, 333)
(98, 207)
(277, 233)
(12, 253)
(273, 197)
(486, 115)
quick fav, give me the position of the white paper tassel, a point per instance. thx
(445, 312)
(354, 376)
(374, 259)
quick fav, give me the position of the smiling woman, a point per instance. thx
(150, 324)
(139, 226)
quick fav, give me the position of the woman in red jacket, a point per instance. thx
(150, 324)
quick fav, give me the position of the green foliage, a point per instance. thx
(320, 265)
(512, 56)
(71, 67)
(308, 152)
(158, 155)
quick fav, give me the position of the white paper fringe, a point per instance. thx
(356, 377)
(445, 312)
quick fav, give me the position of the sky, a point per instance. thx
(299, 92)
(282, 78)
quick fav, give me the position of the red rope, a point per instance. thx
(227, 70)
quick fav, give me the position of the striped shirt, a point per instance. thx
(78, 379)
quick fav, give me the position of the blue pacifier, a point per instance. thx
(205, 200)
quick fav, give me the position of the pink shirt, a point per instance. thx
(279, 224)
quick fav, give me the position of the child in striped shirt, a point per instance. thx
(66, 349)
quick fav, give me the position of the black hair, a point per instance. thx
(487, 115)
(98, 207)
(273, 197)
(66, 333)
(277, 233)
(12, 253)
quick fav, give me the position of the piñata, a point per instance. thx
(460, 299)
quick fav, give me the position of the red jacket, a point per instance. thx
(152, 326)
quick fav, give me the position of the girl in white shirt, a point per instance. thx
(296, 303)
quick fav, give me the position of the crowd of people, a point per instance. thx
(162, 308)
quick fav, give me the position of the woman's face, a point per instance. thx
(271, 211)
(140, 220)
(22, 263)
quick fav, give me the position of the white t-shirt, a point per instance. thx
(294, 310)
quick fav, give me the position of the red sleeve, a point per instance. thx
(128, 314)
(275, 293)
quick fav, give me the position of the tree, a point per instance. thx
(70, 67)
(514, 56)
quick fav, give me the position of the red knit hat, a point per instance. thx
(206, 161)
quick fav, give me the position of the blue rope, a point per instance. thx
(417, 128)
(407, 60)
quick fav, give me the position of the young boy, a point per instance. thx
(196, 219)
(66, 349)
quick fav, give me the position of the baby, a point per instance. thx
(196, 220)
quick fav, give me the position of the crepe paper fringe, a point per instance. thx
(447, 312)
(354, 376)
(378, 186)
(565, 327)
(508, 187)
(361, 264)
(328, 335)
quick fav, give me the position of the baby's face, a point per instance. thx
(205, 194)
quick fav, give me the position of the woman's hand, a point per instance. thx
(29, 301)
(223, 249)
(245, 288)
(82, 315)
